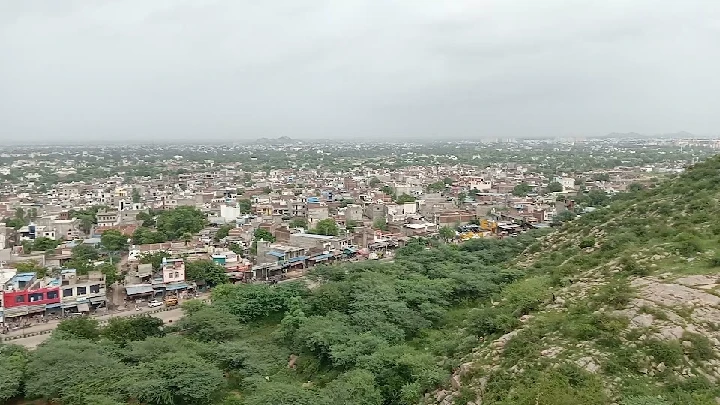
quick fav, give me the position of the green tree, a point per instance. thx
(447, 233)
(565, 216)
(85, 253)
(207, 270)
(437, 186)
(179, 378)
(245, 206)
(43, 244)
(282, 394)
(208, 324)
(298, 223)
(223, 232)
(263, 234)
(179, 221)
(381, 224)
(13, 366)
(81, 327)
(326, 226)
(374, 182)
(356, 387)
(143, 236)
(29, 266)
(122, 330)
(554, 187)
(404, 198)
(147, 218)
(110, 272)
(135, 195)
(87, 371)
(521, 190)
(350, 224)
(113, 240)
(154, 258)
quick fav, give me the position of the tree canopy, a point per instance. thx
(327, 227)
(206, 270)
(184, 219)
(113, 240)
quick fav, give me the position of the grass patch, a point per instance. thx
(657, 313)
(668, 352)
(701, 349)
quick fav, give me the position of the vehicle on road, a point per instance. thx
(154, 303)
(171, 301)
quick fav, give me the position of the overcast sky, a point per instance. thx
(237, 69)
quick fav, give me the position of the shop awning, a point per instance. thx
(96, 300)
(297, 259)
(277, 254)
(83, 307)
(178, 286)
(321, 257)
(56, 305)
(138, 289)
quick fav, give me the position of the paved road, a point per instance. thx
(167, 317)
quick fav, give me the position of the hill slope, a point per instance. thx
(621, 306)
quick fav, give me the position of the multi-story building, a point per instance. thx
(25, 294)
(82, 292)
(173, 270)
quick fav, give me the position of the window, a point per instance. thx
(170, 275)
(94, 289)
(177, 275)
(20, 298)
(35, 297)
(67, 292)
(51, 295)
(81, 290)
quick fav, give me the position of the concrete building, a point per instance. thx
(318, 242)
(173, 270)
(317, 212)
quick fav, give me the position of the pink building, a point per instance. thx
(173, 270)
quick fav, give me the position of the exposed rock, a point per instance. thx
(642, 321)
(465, 369)
(661, 367)
(588, 363)
(671, 333)
(500, 342)
(551, 352)
(455, 382)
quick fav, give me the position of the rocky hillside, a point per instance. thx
(620, 306)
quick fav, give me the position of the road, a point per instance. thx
(168, 317)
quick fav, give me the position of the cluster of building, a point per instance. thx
(375, 207)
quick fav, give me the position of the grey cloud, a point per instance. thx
(240, 69)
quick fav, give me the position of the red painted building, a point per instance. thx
(41, 296)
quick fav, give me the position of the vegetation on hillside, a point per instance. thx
(625, 324)
(366, 333)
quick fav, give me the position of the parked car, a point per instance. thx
(155, 303)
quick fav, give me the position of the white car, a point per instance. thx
(155, 303)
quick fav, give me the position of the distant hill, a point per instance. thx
(620, 306)
(283, 140)
(635, 135)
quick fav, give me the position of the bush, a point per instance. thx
(644, 400)
(670, 352)
(616, 293)
(487, 321)
(701, 349)
(587, 242)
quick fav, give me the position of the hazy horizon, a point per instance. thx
(224, 70)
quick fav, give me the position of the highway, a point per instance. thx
(41, 332)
